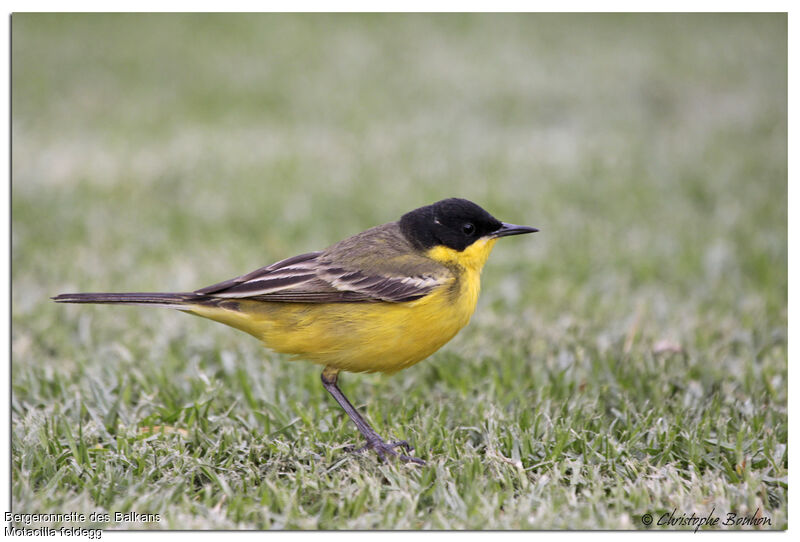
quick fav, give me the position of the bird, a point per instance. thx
(379, 301)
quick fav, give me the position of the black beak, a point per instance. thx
(512, 229)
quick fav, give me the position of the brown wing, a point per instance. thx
(342, 274)
(283, 274)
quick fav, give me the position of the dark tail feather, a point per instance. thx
(171, 300)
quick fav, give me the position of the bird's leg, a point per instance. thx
(374, 441)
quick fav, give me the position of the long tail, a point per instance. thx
(169, 300)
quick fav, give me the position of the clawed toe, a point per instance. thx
(402, 444)
(384, 449)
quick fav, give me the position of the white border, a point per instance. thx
(353, 5)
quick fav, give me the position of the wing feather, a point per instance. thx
(290, 267)
(329, 276)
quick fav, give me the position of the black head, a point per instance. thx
(454, 223)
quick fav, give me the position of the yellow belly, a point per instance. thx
(358, 337)
(366, 337)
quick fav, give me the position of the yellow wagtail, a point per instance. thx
(381, 300)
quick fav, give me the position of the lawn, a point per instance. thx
(629, 359)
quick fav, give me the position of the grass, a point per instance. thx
(630, 358)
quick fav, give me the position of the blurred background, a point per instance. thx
(169, 152)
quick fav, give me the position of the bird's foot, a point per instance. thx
(384, 449)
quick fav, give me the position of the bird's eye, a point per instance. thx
(468, 228)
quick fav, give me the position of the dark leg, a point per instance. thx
(374, 441)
